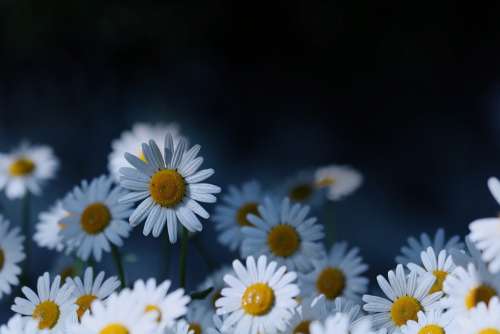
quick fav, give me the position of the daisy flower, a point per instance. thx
(339, 324)
(168, 186)
(337, 275)
(283, 233)
(440, 266)
(19, 325)
(406, 296)
(95, 218)
(231, 216)
(432, 322)
(52, 307)
(309, 310)
(466, 287)
(131, 141)
(339, 181)
(483, 319)
(181, 327)
(26, 169)
(120, 314)
(216, 282)
(199, 317)
(48, 229)
(217, 327)
(411, 253)
(485, 233)
(302, 188)
(259, 299)
(155, 299)
(11, 253)
(66, 267)
(91, 289)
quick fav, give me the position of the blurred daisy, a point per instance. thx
(484, 319)
(432, 322)
(259, 299)
(283, 233)
(90, 289)
(199, 317)
(309, 310)
(48, 229)
(216, 282)
(302, 189)
(26, 169)
(342, 305)
(466, 287)
(19, 325)
(66, 267)
(120, 314)
(406, 295)
(337, 275)
(231, 216)
(52, 307)
(11, 253)
(181, 327)
(169, 187)
(340, 181)
(95, 218)
(131, 141)
(439, 266)
(485, 233)
(155, 299)
(217, 325)
(411, 252)
(339, 324)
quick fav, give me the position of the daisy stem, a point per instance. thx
(119, 265)
(183, 256)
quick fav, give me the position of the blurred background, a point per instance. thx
(404, 92)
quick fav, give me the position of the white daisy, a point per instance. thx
(283, 233)
(337, 275)
(48, 229)
(412, 251)
(120, 314)
(340, 324)
(199, 317)
(309, 310)
(181, 327)
(231, 216)
(406, 295)
(90, 289)
(26, 169)
(302, 188)
(215, 281)
(340, 181)
(259, 299)
(168, 186)
(95, 218)
(155, 299)
(20, 325)
(484, 319)
(11, 253)
(466, 287)
(342, 305)
(432, 322)
(440, 266)
(485, 233)
(53, 307)
(131, 141)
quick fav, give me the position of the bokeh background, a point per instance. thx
(406, 93)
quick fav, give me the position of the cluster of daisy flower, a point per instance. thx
(289, 278)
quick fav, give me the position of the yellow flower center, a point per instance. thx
(196, 328)
(217, 294)
(47, 313)
(167, 188)
(22, 167)
(154, 308)
(258, 299)
(489, 331)
(431, 329)
(325, 182)
(2, 258)
(303, 327)
(482, 293)
(84, 302)
(438, 283)
(283, 240)
(114, 329)
(331, 282)
(405, 308)
(241, 214)
(95, 218)
(301, 192)
(68, 272)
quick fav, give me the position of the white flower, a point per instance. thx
(406, 296)
(131, 141)
(95, 218)
(302, 188)
(26, 169)
(434, 321)
(52, 306)
(199, 317)
(168, 186)
(215, 281)
(48, 229)
(20, 325)
(340, 324)
(484, 319)
(90, 289)
(340, 181)
(412, 251)
(11, 253)
(259, 299)
(485, 233)
(231, 216)
(337, 275)
(283, 233)
(309, 310)
(181, 327)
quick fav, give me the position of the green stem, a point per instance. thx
(182, 260)
(119, 265)
(26, 230)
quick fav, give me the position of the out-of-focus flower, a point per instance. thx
(48, 229)
(339, 181)
(11, 253)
